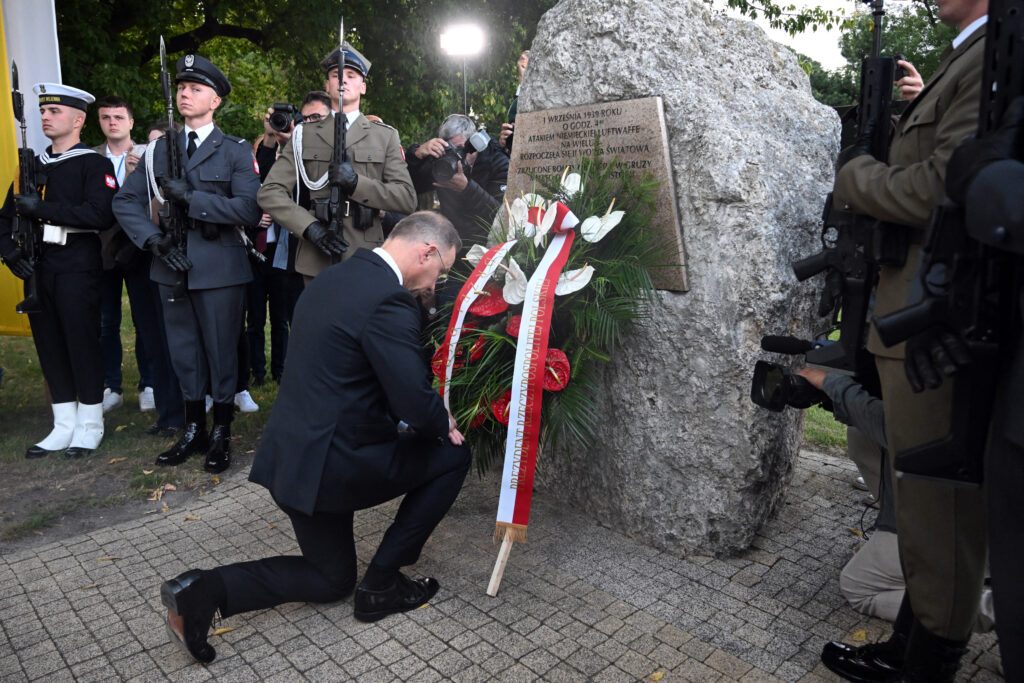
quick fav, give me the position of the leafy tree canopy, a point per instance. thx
(271, 53)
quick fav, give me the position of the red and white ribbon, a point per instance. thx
(467, 295)
(523, 440)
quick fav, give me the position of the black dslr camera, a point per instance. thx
(775, 387)
(284, 117)
(446, 166)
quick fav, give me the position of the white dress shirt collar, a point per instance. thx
(969, 30)
(351, 116)
(202, 133)
(391, 262)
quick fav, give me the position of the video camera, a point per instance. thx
(775, 387)
(284, 117)
(446, 166)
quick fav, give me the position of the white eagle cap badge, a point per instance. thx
(189, 61)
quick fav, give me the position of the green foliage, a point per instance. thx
(911, 31)
(789, 18)
(271, 53)
(588, 326)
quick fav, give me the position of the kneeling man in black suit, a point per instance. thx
(355, 367)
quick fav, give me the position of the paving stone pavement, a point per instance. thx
(578, 602)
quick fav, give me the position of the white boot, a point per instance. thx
(88, 430)
(63, 428)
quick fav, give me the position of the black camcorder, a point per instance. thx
(285, 117)
(775, 387)
(447, 165)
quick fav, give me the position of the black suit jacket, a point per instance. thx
(354, 367)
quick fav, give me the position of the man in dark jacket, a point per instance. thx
(471, 196)
(332, 445)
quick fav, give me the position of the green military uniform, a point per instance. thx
(940, 528)
(384, 184)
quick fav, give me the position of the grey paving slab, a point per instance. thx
(578, 602)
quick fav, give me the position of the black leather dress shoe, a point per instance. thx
(156, 430)
(218, 457)
(877, 662)
(33, 452)
(75, 452)
(404, 595)
(193, 440)
(190, 610)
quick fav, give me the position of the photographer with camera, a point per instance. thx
(468, 171)
(371, 173)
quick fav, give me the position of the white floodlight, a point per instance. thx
(462, 40)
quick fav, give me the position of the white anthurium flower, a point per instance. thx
(571, 183)
(594, 228)
(574, 280)
(514, 291)
(475, 253)
(518, 219)
(545, 224)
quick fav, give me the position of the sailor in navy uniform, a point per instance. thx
(76, 186)
(218, 194)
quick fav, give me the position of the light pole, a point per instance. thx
(463, 40)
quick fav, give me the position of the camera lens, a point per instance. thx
(280, 121)
(445, 167)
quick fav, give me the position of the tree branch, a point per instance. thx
(209, 29)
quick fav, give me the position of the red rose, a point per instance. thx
(556, 370)
(512, 326)
(490, 302)
(501, 407)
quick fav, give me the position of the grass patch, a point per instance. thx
(823, 432)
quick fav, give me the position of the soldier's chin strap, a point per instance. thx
(300, 168)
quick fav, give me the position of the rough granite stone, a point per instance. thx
(683, 460)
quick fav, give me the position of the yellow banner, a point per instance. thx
(11, 288)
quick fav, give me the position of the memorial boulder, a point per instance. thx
(683, 459)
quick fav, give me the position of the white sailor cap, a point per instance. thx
(56, 93)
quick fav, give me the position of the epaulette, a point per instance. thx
(234, 138)
(381, 123)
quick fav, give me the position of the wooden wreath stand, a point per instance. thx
(499, 564)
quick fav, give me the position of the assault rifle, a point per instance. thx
(173, 217)
(966, 285)
(849, 256)
(26, 231)
(338, 203)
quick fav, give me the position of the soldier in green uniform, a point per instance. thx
(941, 528)
(380, 179)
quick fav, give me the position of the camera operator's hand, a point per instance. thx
(814, 376)
(911, 84)
(325, 241)
(932, 356)
(507, 129)
(273, 137)
(176, 190)
(457, 182)
(18, 264)
(431, 148)
(27, 205)
(163, 247)
(345, 176)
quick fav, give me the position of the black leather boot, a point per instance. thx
(930, 658)
(218, 457)
(193, 437)
(875, 662)
(192, 599)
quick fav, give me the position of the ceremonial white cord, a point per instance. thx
(300, 168)
(151, 186)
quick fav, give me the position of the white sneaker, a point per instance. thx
(209, 403)
(111, 400)
(146, 401)
(245, 403)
